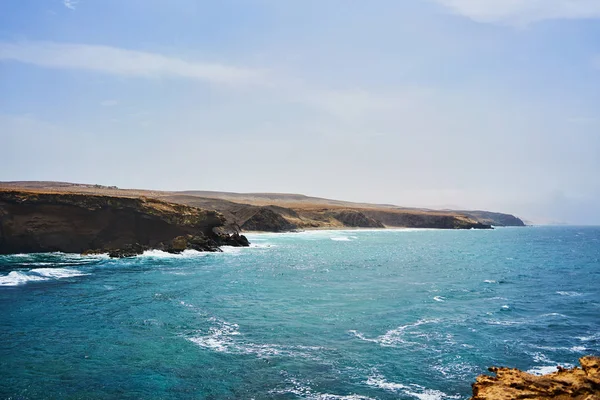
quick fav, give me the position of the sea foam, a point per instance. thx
(16, 278)
(303, 390)
(163, 254)
(395, 336)
(571, 294)
(341, 239)
(413, 390)
(543, 370)
(221, 339)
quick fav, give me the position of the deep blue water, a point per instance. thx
(323, 315)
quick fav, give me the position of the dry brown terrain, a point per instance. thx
(283, 212)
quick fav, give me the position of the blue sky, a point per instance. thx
(489, 104)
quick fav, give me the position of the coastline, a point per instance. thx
(355, 229)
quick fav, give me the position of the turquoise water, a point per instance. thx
(321, 315)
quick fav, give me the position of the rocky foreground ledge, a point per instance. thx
(37, 222)
(508, 384)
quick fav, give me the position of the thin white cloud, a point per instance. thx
(523, 12)
(342, 104)
(109, 103)
(71, 4)
(117, 61)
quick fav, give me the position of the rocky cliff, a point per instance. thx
(511, 384)
(494, 218)
(33, 222)
(438, 220)
(277, 212)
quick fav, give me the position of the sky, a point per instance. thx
(472, 104)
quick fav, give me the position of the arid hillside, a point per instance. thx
(277, 212)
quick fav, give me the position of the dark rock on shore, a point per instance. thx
(35, 222)
(511, 384)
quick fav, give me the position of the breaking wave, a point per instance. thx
(16, 278)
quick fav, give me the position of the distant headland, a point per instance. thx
(68, 217)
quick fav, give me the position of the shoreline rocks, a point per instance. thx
(510, 383)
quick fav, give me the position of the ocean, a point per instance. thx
(380, 314)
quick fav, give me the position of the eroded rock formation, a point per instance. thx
(508, 384)
(33, 222)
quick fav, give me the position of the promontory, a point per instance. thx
(36, 221)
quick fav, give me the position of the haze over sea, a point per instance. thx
(382, 314)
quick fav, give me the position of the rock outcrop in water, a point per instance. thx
(508, 384)
(35, 222)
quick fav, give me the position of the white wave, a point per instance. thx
(76, 256)
(413, 390)
(341, 239)
(505, 307)
(543, 370)
(89, 256)
(490, 281)
(572, 294)
(380, 382)
(439, 298)
(459, 371)
(575, 349)
(54, 258)
(220, 338)
(541, 358)
(394, 336)
(504, 323)
(554, 314)
(362, 337)
(16, 278)
(304, 391)
(261, 245)
(327, 396)
(589, 338)
(164, 254)
(57, 273)
(37, 264)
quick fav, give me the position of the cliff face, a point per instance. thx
(356, 219)
(577, 383)
(74, 223)
(267, 220)
(399, 218)
(493, 218)
(276, 212)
